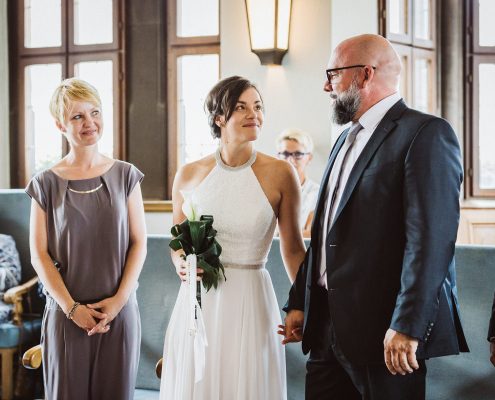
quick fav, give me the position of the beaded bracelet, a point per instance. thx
(72, 310)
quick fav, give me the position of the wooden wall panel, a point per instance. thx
(477, 224)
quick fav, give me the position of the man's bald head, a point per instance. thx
(372, 50)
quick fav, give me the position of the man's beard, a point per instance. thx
(346, 105)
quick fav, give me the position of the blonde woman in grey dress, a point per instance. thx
(88, 245)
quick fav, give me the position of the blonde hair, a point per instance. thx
(298, 136)
(70, 90)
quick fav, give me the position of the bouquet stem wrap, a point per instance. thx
(196, 326)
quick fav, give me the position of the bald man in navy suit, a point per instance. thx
(376, 295)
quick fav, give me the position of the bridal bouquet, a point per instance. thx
(196, 237)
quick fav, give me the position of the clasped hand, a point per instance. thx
(292, 330)
(95, 318)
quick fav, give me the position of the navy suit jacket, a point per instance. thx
(491, 327)
(390, 250)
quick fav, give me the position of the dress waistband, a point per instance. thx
(243, 266)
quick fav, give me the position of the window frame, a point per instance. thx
(406, 52)
(177, 47)
(119, 143)
(430, 56)
(67, 55)
(419, 48)
(475, 170)
(474, 55)
(20, 173)
(405, 38)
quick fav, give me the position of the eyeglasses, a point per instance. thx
(296, 155)
(334, 74)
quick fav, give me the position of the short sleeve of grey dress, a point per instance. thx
(88, 238)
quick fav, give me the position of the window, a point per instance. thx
(410, 26)
(50, 41)
(193, 49)
(480, 102)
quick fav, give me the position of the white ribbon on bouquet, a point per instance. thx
(185, 344)
(196, 324)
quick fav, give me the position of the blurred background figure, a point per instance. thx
(296, 146)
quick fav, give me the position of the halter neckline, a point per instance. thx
(221, 164)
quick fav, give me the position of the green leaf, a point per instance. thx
(197, 230)
(175, 244)
(198, 237)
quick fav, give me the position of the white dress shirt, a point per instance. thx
(309, 196)
(369, 121)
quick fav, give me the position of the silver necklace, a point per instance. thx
(85, 191)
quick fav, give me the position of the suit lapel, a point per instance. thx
(386, 125)
(320, 204)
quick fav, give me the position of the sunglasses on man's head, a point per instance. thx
(297, 155)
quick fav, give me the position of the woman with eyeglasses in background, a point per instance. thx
(296, 146)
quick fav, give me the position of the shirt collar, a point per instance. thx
(371, 118)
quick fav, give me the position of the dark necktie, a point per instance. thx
(351, 137)
(346, 148)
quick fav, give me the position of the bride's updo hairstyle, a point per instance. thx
(223, 98)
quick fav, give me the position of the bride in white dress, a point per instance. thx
(246, 192)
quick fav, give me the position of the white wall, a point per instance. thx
(158, 222)
(351, 18)
(293, 92)
(4, 99)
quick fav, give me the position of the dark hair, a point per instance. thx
(222, 99)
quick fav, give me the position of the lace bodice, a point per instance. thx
(242, 214)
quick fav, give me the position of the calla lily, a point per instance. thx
(189, 208)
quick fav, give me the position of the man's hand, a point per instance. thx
(292, 330)
(492, 351)
(400, 352)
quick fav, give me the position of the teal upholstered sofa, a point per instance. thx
(464, 377)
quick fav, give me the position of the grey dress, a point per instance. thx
(88, 238)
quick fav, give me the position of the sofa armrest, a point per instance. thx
(158, 368)
(15, 295)
(32, 358)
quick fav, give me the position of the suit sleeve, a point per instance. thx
(491, 328)
(298, 290)
(432, 179)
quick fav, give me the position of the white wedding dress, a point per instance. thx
(244, 358)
